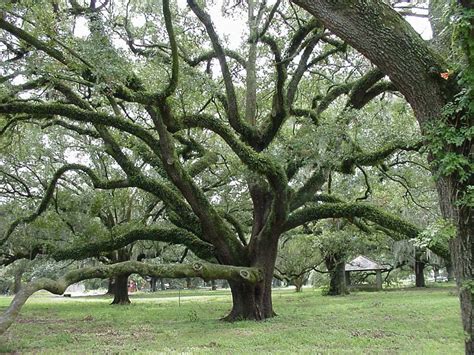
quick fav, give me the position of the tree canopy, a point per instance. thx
(233, 147)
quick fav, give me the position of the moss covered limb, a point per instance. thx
(216, 230)
(376, 157)
(50, 190)
(309, 189)
(170, 235)
(362, 210)
(206, 271)
(362, 85)
(174, 51)
(28, 38)
(204, 57)
(246, 130)
(279, 110)
(256, 162)
(80, 115)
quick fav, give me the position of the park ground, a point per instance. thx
(409, 321)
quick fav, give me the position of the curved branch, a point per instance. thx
(212, 54)
(25, 36)
(80, 115)
(361, 210)
(232, 107)
(206, 271)
(256, 162)
(173, 235)
(50, 191)
(279, 107)
(174, 51)
(376, 157)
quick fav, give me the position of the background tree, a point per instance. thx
(297, 256)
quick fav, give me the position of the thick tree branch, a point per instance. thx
(174, 235)
(50, 190)
(361, 210)
(232, 107)
(206, 271)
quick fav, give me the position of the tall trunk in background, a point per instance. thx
(420, 274)
(335, 265)
(450, 272)
(377, 31)
(419, 269)
(121, 290)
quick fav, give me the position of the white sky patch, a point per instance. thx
(421, 25)
(81, 28)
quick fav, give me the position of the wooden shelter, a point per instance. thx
(362, 263)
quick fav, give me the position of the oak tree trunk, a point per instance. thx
(336, 267)
(299, 282)
(121, 290)
(419, 274)
(254, 302)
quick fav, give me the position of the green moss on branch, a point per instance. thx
(206, 271)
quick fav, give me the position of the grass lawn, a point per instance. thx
(403, 321)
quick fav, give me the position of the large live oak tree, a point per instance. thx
(148, 132)
(376, 30)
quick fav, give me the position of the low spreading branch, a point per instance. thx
(206, 271)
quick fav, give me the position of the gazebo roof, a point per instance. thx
(362, 263)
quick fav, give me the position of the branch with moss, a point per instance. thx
(172, 235)
(206, 271)
(213, 225)
(192, 62)
(247, 131)
(256, 162)
(376, 157)
(361, 210)
(80, 115)
(309, 189)
(174, 51)
(279, 110)
(50, 191)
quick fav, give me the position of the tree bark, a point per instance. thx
(299, 282)
(336, 267)
(419, 274)
(17, 282)
(121, 290)
(254, 302)
(111, 286)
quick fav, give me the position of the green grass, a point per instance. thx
(394, 322)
